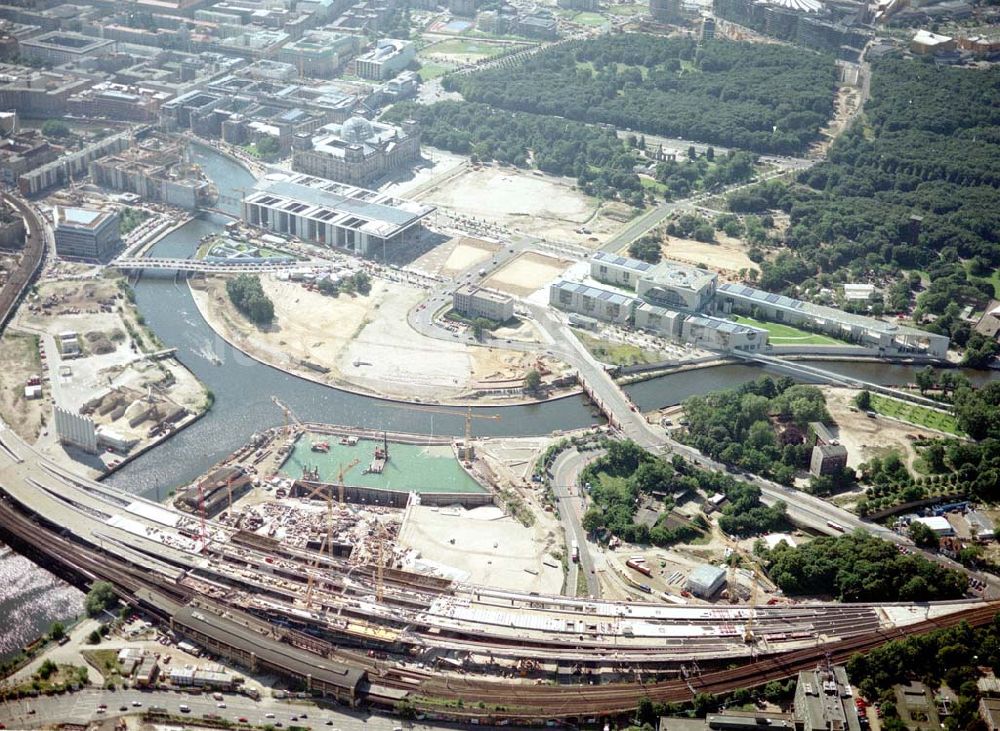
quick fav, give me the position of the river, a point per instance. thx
(31, 599)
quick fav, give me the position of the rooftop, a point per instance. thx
(80, 217)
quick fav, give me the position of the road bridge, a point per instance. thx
(199, 266)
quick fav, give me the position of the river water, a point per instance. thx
(30, 599)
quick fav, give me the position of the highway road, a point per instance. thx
(82, 707)
(569, 500)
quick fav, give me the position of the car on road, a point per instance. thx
(220, 704)
(136, 704)
(268, 715)
(243, 719)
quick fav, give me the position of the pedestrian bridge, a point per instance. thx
(197, 266)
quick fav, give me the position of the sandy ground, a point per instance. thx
(490, 548)
(362, 340)
(436, 164)
(456, 255)
(533, 203)
(727, 255)
(527, 273)
(845, 103)
(865, 437)
(18, 362)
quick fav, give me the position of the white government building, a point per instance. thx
(689, 304)
(361, 221)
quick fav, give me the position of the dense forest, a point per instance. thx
(619, 478)
(735, 426)
(860, 567)
(915, 152)
(601, 162)
(765, 98)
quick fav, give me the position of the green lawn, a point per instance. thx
(615, 353)
(430, 70)
(591, 19)
(786, 334)
(460, 47)
(918, 415)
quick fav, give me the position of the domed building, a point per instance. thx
(357, 152)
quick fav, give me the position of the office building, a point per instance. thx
(601, 304)
(883, 336)
(319, 54)
(472, 301)
(357, 152)
(59, 47)
(86, 233)
(387, 59)
(665, 284)
(361, 221)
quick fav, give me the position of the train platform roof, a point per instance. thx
(277, 654)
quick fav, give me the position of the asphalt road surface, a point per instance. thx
(82, 707)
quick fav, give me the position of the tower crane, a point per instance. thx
(467, 450)
(328, 539)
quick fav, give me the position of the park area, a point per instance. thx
(915, 414)
(786, 334)
(461, 51)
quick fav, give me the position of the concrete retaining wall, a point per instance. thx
(393, 498)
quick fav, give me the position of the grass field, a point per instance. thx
(431, 70)
(914, 414)
(615, 353)
(591, 19)
(788, 335)
(460, 47)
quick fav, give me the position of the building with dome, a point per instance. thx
(357, 152)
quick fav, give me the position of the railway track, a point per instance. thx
(501, 700)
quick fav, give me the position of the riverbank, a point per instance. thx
(414, 374)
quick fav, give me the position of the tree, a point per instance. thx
(47, 669)
(926, 379)
(100, 597)
(647, 248)
(532, 380)
(864, 400)
(924, 536)
(57, 631)
(55, 128)
(268, 147)
(710, 154)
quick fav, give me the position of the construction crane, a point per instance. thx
(328, 539)
(290, 417)
(383, 536)
(467, 450)
(748, 635)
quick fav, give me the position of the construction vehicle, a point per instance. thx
(468, 451)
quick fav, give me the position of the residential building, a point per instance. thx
(707, 29)
(824, 701)
(23, 152)
(883, 336)
(86, 233)
(388, 58)
(602, 304)
(473, 301)
(858, 292)
(705, 581)
(989, 710)
(357, 152)
(362, 221)
(827, 459)
(59, 47)
(118, 102)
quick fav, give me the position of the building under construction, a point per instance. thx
(157, 169)
(217, 491)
